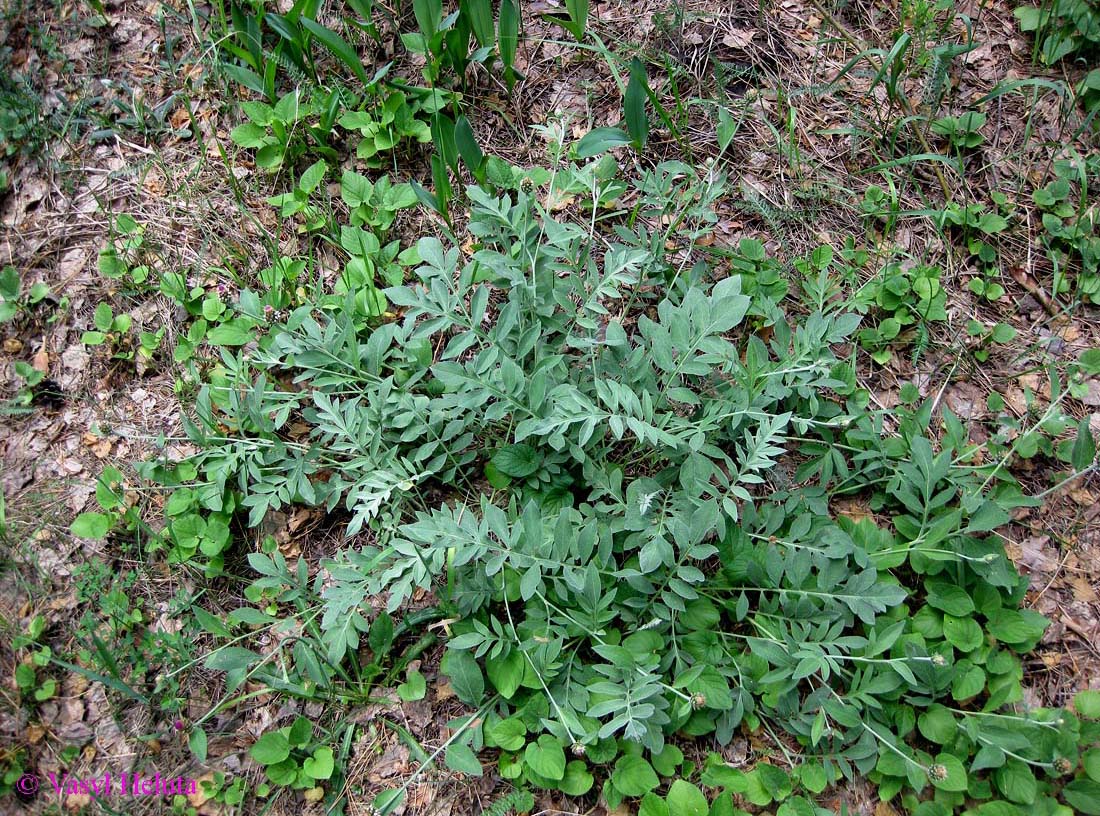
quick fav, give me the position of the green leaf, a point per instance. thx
(428, 15)
(480, 15)
(248, 135)
(1017, 626)
(949, 598)
(577, 780)
(381, 634)
(954, 774)
(796, 806)
(546, 757)
(508, 37)
(600, 140)
(1016, 781)
(414, 687)
(460, 757)
(273, 747)
(634, 113)
(91, 525)
(813, 778)
(633, 776)
(103, 318)
(578, 13)
(963, 633)
(339, 47)
(518, 461)
(1084, 447)
(508, 734)
(1084, 795)
(466, 678)
(506, 673)
(197, 743)
(466, 144)
(668, 760)
(1087, 704)
(231, 658)
(312, 176)
(684, 799)
(321, 764)
(301, 732)
(235, 332)
(937, 725)
(210, 623)
(1090, 761)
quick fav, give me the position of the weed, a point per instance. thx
(1062, 28)
(14, 298)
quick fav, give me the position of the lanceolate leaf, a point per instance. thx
(634, 112)
(339, 47)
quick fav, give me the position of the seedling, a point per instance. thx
(384, 127)
(292, 758)
(13, 298)
(376, 204)
(297, 200)
(110, 329)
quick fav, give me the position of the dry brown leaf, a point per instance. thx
(13, 346)
(41, 360)
(1083, 591)
(77, 801)
(1083, 496)
(199, 797)
(738, 37)
(443, 690)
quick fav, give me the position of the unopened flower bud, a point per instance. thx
(699, 701)
(578, 749)
(1063, 765)
(937, 773)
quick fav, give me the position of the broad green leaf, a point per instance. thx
(546, 757)
(312, 176)
(1084, 796)
(1087, 704)
(414, 687)
(321, 764)
(577, 780)
(518, 461)
(600, 140)
(231, 658)
(459, 757)
(684, 799)
(506, 673)
(197, 743)
(948, 773)
(466, 677)
(508, 734)
(235, 332)
(91, 525)
(271, 748)
(1084, 447)
(633, 776)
